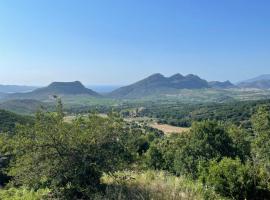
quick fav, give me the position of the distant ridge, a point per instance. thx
(16, 88)
(258, 78)
(259, 82)
(55, 88)
(221, 85)
(159, 84)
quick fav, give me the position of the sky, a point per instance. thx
(117, 42)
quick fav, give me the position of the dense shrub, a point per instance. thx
(68, 158)
(229, 178)
(261, 145)
(207, 140)
(23, 194)
(161, 154)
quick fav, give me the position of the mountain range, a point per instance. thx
(159, 84)
(156, 84)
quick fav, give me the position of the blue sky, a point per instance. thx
(117, 42)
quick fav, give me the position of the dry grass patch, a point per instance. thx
(167, 129)
(153, 185)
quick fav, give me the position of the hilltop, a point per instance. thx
(55, 89)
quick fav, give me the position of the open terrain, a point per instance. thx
(167, 129)
(133, 146)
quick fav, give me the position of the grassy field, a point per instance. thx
(167, 129)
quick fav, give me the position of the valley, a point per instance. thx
(190, 89)
(159, 126)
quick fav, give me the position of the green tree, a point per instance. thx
(161, 154)
(261, 145)
(69, 158)
(241, 141)
(229, 178)
(207, 140)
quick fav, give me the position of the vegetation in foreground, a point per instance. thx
(109, 158)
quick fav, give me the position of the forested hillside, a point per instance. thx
(182, 114)
(8, 120)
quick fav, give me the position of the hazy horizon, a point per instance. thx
(120, 42)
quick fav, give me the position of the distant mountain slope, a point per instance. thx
(221, 85)
(258, 78)
(259, 82)
(16, 88)
(55, 89)
(159, 84)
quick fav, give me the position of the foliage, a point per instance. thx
(207, 140)
(241, 141)
(85, 157)
(261, 127)
(161, 154)
(68, 158)
(23, 193)
(261, 145)
(183, 114)
(229, 178)
(8, 121)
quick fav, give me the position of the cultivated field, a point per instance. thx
(167, 129)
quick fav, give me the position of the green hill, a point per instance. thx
(55, 89)
(8, 120)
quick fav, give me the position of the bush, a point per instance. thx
(161, 154)
(229, 177)
(68, 158)
(261, 144)
(23, 193)
(207, 140)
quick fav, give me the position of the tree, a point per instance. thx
(154, 158)
(241, 141)
(261, 145)
(229, 177)
(207, 140)
(161, 154)
(69, 158)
